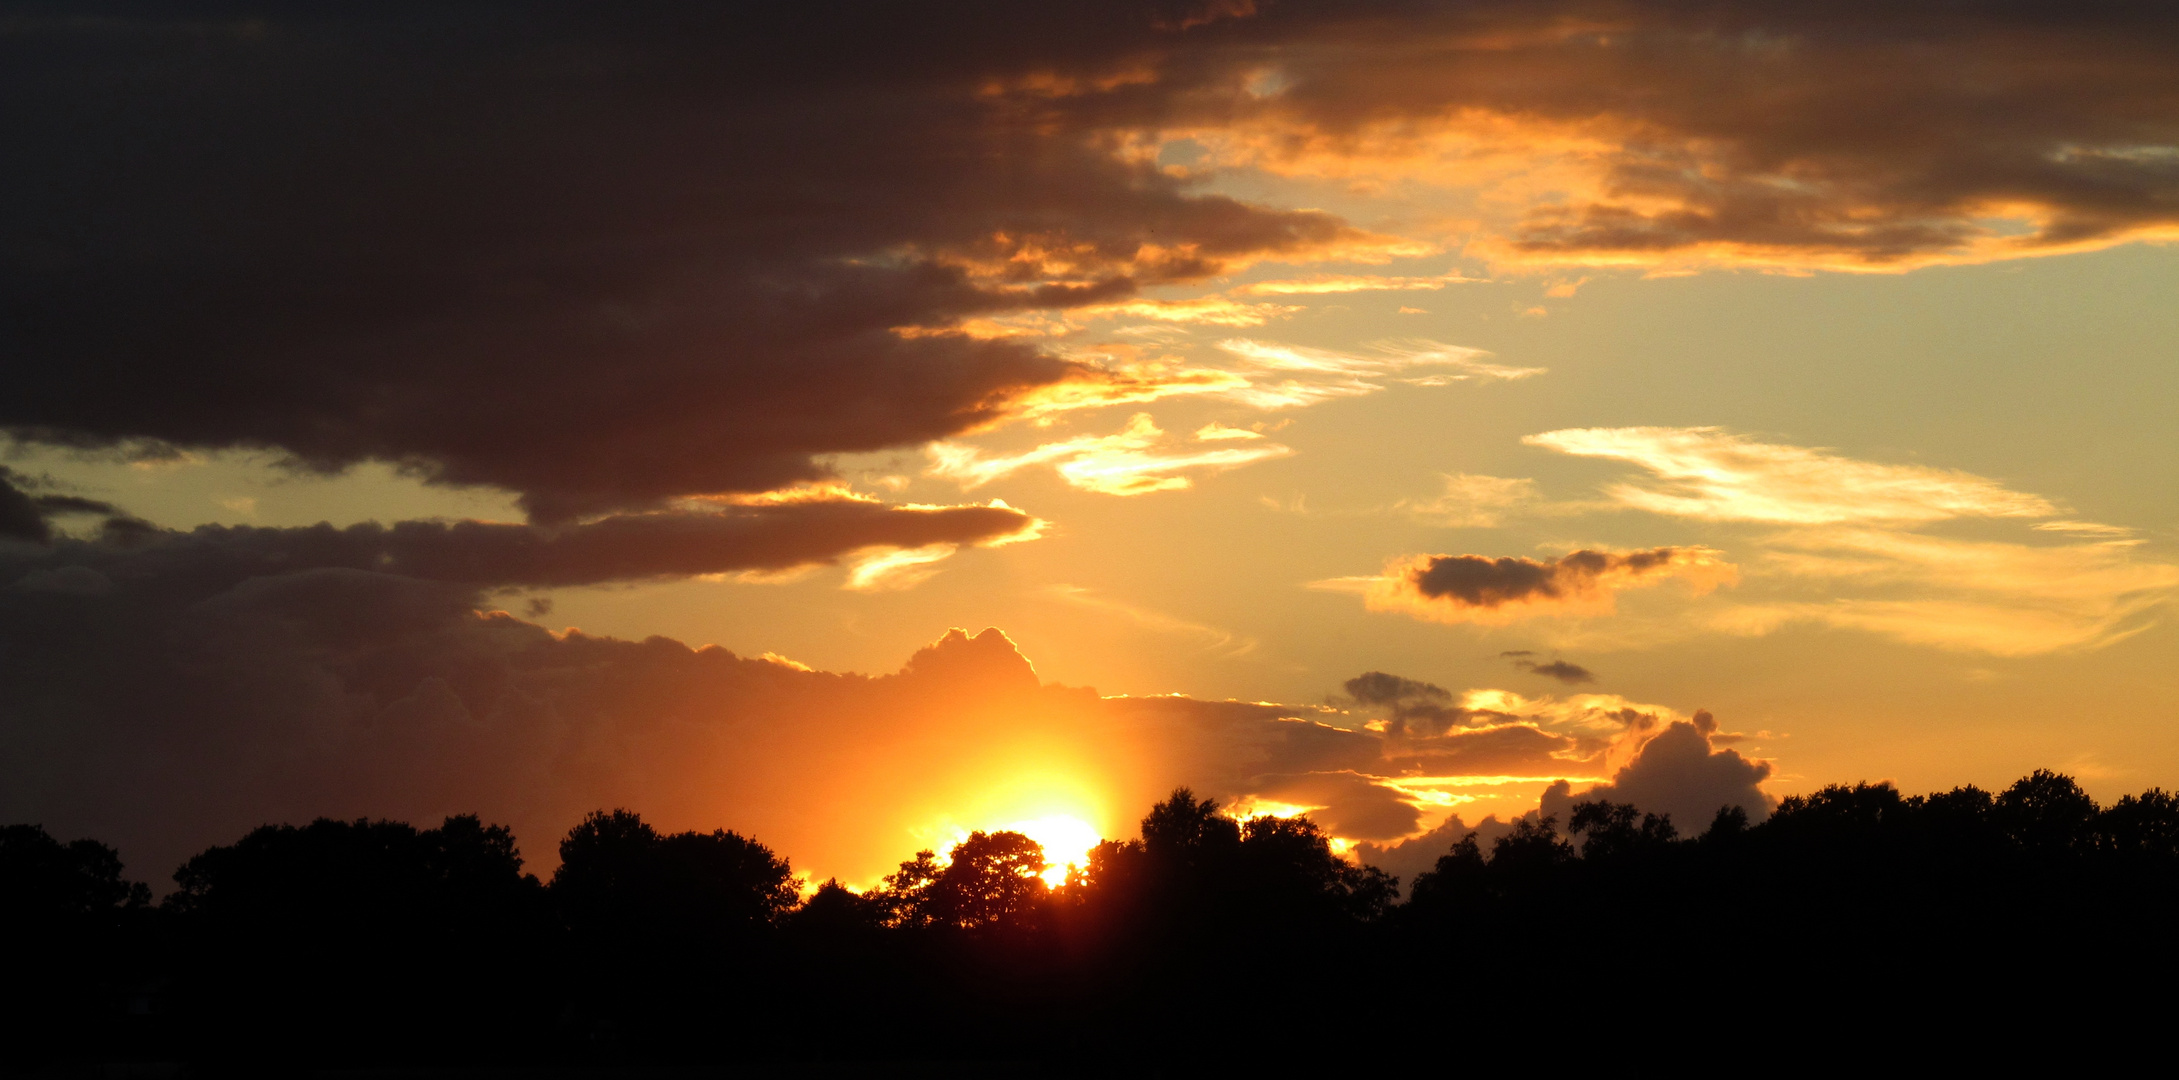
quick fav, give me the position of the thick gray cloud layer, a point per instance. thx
(606, 254)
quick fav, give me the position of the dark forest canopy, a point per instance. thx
(375, 942)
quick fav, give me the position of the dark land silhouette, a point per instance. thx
(1989, 922)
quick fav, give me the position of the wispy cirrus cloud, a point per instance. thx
(1136, 460)
(1845, 529)
(1330, 284)
(1995, 597)
(1712, 474)
(1293, 376)
(1225, 643)
(1472, 501)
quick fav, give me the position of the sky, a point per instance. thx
(1411, 415)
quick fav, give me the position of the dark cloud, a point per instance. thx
(604, 255)
(24, 516)
(168, 690)
(1378, 688)
(599, 255)
(1679, 772)
(1352, 805)
(20, 516)
(1479, 588)
(1480, 581)
(1855, 134)
(1412, 708)
(1563, 671)
(488, 554)
(171, 690)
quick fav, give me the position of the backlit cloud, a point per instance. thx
(1857, 138)
(174, 698)
(1291, 376)
(1493, 591)
(1137, 460)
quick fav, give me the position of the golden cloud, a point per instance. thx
(1134, 461)
(1711, 474)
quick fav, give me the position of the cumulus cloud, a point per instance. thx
(1494, 591)
(1679, 772)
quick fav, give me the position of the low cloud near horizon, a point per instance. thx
(169, 691)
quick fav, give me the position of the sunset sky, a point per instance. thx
(1382, 411)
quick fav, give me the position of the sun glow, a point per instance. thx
(1066, 840)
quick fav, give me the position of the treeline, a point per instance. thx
(375, 942)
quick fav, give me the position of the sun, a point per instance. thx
(1066, 840)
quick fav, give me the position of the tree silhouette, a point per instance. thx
(905, 898)
(327, 936)
(993, 880)
(1618, 830)
(374, 942)
(2048, 814)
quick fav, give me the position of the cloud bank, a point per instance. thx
(170, 690)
